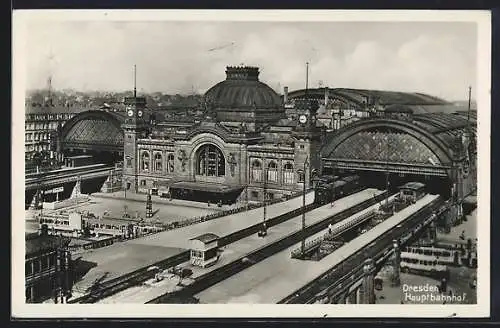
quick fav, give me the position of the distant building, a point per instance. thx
(40, 130)
(47, 267)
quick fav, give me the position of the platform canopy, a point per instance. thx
(205, 191)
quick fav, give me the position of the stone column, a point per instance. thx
(351, 298)
(396, 281)
(368, 295)
(358, 295)
(32, 294)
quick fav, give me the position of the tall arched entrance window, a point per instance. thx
(210, 161)
(256, 171)
(288, 174)
(272, 172)
(170, 163)
(157, 164)
(145, 161)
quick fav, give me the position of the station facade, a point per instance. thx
(242, 147)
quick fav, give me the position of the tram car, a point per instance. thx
(329, 187)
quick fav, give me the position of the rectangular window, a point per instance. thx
(301, 176)
(257, 175)
(27, 268)
(129, 162)
(288, 177)
(45, 262)
(272, 175)
(143, 182)
(255, 194)
(52, 260)
(36, 263)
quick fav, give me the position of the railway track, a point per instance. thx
(63, 176)
(211, 278)
(351, 269)
(134, 278)
(128, 280)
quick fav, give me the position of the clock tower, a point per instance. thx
(307, 141)
(134, 127)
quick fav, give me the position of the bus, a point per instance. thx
(443, 256)
(424, 265)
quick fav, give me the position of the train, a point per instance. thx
(330, 187)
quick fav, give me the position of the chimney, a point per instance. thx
(285, 95)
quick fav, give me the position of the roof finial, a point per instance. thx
(135, 81)
(307, 77)
(468, 108)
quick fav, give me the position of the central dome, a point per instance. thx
(242, 89)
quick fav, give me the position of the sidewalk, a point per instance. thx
(469, 226)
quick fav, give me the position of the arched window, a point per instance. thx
(272, 172)
(256, 171)
(210, 161)
(170, 163)
(145, 161)
(301, 176)
(158, 163)
(288, 173)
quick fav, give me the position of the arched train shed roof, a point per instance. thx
(427, 142)
(94, 130)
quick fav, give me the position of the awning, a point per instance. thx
(206, 187)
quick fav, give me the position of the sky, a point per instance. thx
(438, 58)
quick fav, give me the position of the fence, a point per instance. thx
(199, 219)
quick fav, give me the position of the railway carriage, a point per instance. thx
(331, 187)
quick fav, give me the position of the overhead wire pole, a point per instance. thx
(303, 243)
(468, 108)
(307, 78)
(387, 172)
(265, 197)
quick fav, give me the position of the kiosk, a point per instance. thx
(204, 250)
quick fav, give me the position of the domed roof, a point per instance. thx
(242, 89)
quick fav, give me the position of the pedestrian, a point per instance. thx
(330, 229)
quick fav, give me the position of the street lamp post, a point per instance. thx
(303, 244)
(387, 173)
(264, 228)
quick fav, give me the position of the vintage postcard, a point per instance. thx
(251, 164)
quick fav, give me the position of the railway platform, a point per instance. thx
(278, 276)
(244, 246)
(124, 257)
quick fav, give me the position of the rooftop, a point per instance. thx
(413, 185)
(36, 243)
(206, 238)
